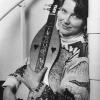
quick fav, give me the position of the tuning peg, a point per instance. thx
(46, 9)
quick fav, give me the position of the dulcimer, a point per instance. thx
(45, 45)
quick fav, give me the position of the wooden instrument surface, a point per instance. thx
(45, 45)
(52, 50)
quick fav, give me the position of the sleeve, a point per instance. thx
(76, 78)
(48, 94)
(12, 80)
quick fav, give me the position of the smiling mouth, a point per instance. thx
(66, 27)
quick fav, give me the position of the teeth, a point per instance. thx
(66, 27)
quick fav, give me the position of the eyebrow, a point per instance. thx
(64, 9)
(67, 11)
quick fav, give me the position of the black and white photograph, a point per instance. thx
(49, 50)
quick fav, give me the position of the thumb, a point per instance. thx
(42, 72)
(19, 78)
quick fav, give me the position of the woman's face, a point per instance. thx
(67, 22)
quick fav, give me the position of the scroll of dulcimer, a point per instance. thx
(45, 45)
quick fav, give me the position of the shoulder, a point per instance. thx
(76, 77)
(77, 71)
(79, 65)
(12, 79)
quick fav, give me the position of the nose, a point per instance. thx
(67, 19)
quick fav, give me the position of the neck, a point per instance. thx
(72, 36)
(73, 39)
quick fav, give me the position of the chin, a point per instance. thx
(64, 32)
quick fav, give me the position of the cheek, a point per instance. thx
(76, 23)
(60, 16)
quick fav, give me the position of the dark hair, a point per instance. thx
(81, 11)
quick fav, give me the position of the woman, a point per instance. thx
(68, 78)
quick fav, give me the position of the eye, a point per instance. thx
(63, 10)
(74, 16)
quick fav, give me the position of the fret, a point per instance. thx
(47, 37)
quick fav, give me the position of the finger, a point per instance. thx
(70, 49)
(42, 72)
(75, 49)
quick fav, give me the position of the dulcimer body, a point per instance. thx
(52, 50)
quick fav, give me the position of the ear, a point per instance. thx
(85, 28)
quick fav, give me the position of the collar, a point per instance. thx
(66, 42)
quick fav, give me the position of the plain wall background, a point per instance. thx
(16, 35)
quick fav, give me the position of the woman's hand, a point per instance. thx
(32, 79)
